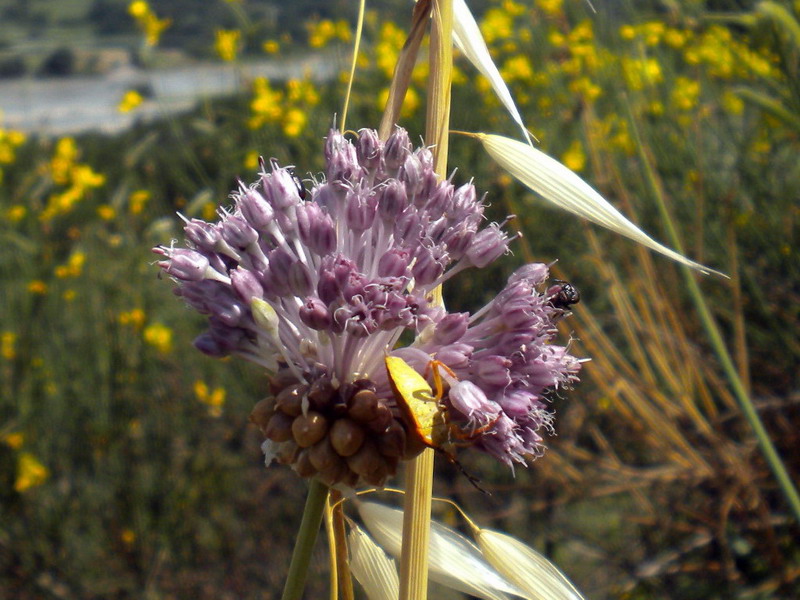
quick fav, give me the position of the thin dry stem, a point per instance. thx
(401, 78)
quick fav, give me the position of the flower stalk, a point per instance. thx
(306, 536)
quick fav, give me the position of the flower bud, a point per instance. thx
(451, 329)
(361, 207)
(369, 149)
(279, 428)
(314, 314)
(238, 233)
(255, 209)
(203, 235)
(394, 263)
(346, 437)
(323, 456)
(302, 464)
(246, 285)
(396, 149)
(290, 399)
(392, 200)
(281, 189)
(487, 246)
(310, 428)
(368, 463)
(262, 412)
(363, 406)
(392, 442)
(468, 399)
(187, 265)
(429, 265)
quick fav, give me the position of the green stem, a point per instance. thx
(306, 536)
(718, 344)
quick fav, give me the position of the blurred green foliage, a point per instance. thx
(127, 463)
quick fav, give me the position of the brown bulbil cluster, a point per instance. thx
(346, 435)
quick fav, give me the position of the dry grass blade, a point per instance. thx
(437, 123)
(557, 184)
(467, 37)
(455, 562)
(404, 67)
(373, 569)
(525, 567)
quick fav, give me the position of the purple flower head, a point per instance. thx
(318, 288)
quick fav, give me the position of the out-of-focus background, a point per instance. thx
(128, 467)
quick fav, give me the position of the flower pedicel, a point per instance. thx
(319, 288)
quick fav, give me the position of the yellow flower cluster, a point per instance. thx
(323, 32)
(226, 43)
(148, 22)
(134, 317)
(159, 336)
(10, 140)
(727, 57)
(214, 400)
(30, 472)
(130, 101)
(138, 200)
(74, 179)
(73, 267)
(8, 345)
(289, 107)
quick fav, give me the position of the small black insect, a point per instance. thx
(301, 188)
(563, 295)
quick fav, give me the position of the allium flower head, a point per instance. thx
(318, 285)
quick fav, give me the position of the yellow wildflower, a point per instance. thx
(30, 472)
(73, 267)
(209, 211)
(517, 68)
(214, 400)
(265, 105)
(627, 32)
(14, 440)
(106, 212)
(496, 24)
(138, 9)
(16, 213)
(294, 122)
(675, 38)
(575, 157)
(69, 295)
(159, 336)
(37, 286)
(251, 160)
(148, 22)
(320, 33)
(134, 317)
(686, 93)
(137, 201)
(551, 7)
(8, 345)
(227, 43)
(271, 47)
(731, 103)
(128, 536)
(130, 100)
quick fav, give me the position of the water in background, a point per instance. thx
(58, 105)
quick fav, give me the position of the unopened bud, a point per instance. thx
(279, 428)
(346, 437)
(310, 428)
